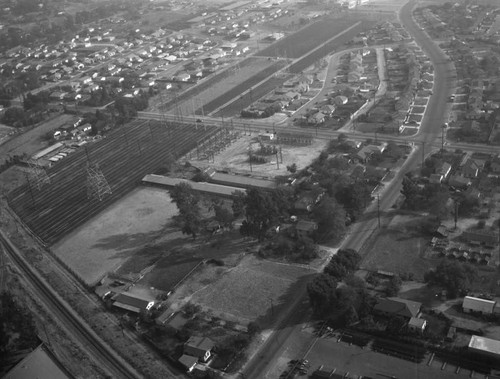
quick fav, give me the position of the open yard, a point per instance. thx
(399, 248)
(254, 289)
(105, 242)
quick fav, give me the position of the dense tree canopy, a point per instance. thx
(454, 276)
(330, 217)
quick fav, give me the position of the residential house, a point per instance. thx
(417, 325)
(340, 100)
(476, 305)
(305, 228)
(132, 303)
(58, 95)
(200, 347)
(441, 173)
(394, 306)
(182, 77)
(459, 182)
(316, 119)
(327, 109)
(470, 169)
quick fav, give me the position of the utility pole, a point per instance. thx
(423, 153)
(250, 157)
(378, 210)
(442, 137)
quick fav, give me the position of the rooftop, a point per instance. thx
(485, 344)
(40, 364)
(398, 306)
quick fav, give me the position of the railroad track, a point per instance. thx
(125, 156)
(66, 317)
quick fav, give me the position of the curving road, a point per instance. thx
(430, 130)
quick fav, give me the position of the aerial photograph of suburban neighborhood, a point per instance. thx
(249, 189)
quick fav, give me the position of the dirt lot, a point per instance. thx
(399, 248)
(104, 243)
(235, 157)
(251, 290)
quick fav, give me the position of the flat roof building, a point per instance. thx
(485, 346)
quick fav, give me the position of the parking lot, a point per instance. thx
(351, 354)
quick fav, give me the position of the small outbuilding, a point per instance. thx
(188, 361)
(417, 324)
(475, 304)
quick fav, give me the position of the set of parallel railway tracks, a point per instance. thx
(124, 157)
(67, 318)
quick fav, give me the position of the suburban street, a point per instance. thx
(265, 360)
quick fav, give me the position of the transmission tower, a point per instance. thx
(97, 185)
(37, 175)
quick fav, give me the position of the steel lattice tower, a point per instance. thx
(37, 175)
(97, 185)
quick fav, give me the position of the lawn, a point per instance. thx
(398, 248)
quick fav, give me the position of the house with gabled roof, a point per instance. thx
(395, 306)
(200, 347)
(132, 303)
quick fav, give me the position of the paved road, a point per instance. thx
(430, 130)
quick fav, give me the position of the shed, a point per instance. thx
(475, 304)
(417, 324)
(188, 362)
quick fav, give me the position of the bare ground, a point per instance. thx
(235, 157)
(104, 243)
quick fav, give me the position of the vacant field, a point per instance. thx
(306, 39)
(399, 248)
(107, 241)
(254, 289)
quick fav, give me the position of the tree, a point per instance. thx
(238, 205)
(292, 169)
(223, 216)
(454, 276)
(330, 217)
(411, 192)
(345, 262)
(393, 286)
(321, 291)
(261, 212)
(184, 196)
(187, 201)
(15, 116)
